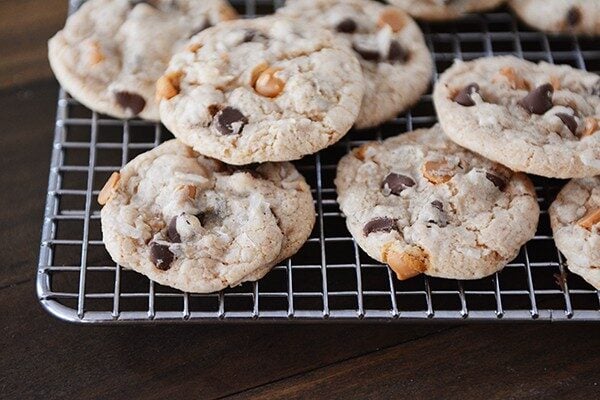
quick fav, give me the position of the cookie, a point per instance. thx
(575, 219)
(444, 10)
(395, 61)
(581, 17)
(541, 118)
(422, 204)
(259, 90)
(111, 52)
(198, 225)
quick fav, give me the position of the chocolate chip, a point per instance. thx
(569, 121)
(396, 183)
(539, 100)
(441, 219)
(366, 54)
(131, 101)
(463, 97)
(347, 26)
(161, 256)
(252, 35)
(230, 121)
(573, 16)
(174, 236)
(438, 205)
(498, 181)
(396, 53)
(384, 224)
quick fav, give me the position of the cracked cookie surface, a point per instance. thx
(422, 204)
(395, 61)
(541, 118)
(198, 225)
(443, 10)
(580, 17)
(261, 90)
(111, 52)
(575, 219)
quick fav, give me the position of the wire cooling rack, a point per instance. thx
(330, 279)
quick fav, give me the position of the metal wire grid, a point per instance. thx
(330, 279)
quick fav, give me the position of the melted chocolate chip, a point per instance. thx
(161, 256)
(595, 90)
(347, 26)
(498, 181)
(573, 16)
(230, 121)
(172, 231)
(438, 205)
(131, 101)
(366, 54)
(397, 53)
(539, 100)
(396, 183)
(569, 121)
(384, 224)
(463, 97)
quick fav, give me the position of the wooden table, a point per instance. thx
(41, 357)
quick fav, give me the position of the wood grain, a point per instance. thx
(25, 27)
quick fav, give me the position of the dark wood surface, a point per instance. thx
(41, 357)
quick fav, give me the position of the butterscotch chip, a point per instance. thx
(194, 47)
(267, 84)
(168, 86)
(516, 82)
(590, 219)
(96, 54)
(438, 172)
(393, 17)
(227, 13)
(259, 69)
(555, 82)
(406, 264)
(591, 125)
(109, 188)
(360, 152)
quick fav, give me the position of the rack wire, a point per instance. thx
(330, 279)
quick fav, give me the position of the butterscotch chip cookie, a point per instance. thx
(422, 204)
(580, 17)
(536, 118)
(111, 52)
(575, 219)
(395, 61)
(259, 90)
(444, 10)
(199, 225)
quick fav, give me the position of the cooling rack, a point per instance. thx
(330, 279)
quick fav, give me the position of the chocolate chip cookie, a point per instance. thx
(198, 225)
(538, 118)
(444, 10)
(111, 52)
(580, 17)
(267, 89)
(575, 219)
(395, 61)
(422, 204)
